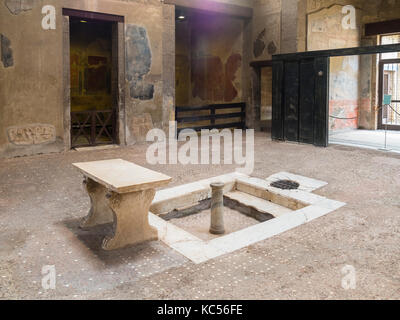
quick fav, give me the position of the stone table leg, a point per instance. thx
(100, 212)
(131, 222)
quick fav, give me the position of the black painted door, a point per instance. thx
(300, 100)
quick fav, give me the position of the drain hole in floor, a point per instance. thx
(285, 184)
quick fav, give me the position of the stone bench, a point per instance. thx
(121, 192)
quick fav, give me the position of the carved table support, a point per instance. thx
(100, 212)
(121, 192)
(128, 212)
(131, 222)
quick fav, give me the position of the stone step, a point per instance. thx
(261, 205)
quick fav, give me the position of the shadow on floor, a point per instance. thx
(92, 238)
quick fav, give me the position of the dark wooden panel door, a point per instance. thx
(277, 108)
(300, 100)
(321, 108)
(291, 101)
(306, 105)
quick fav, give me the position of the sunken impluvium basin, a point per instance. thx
(244, 206)
(254, 210)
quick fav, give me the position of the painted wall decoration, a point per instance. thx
(272, 49)
(91, 65)
(6, 52)
(209, 60)
(213, 80)
(138, 62)
(325, 31)
(231, 67)
(259, 44)
(97, 75)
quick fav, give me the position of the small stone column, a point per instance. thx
(217, 208)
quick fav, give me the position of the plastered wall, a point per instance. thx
(325, 31)
(353, 80)
(209, 51)
(266, 31)
(31, 69)
(31, 92)
(266, 94)
(32, 88)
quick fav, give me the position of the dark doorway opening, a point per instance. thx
(262, 94)
(92, 64)
(389, 84)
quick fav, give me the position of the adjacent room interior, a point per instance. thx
(357, 112)
(209, 63)
(92, 112)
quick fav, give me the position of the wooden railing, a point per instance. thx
(211, 117)
(92, 127)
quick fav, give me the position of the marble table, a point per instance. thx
(121, 192)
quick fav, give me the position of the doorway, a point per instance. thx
(94, 78)
(266, 99)
(91, 65)
(389, 84)
(301, 90)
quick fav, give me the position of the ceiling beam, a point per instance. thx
(385, 27)
(92, 15)
(215, 7)
(261, 64)
(338, 52)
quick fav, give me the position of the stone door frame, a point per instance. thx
(118, 74)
